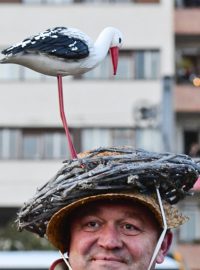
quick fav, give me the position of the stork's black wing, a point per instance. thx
(56, 42)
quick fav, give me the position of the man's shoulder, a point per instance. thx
(58, 265)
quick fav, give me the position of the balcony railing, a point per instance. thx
(187, 3)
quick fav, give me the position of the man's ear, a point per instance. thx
(164, 247)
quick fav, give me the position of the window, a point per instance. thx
(103, 1)
(147, 64)
(149, 139)
(105, 71)
(33, 144)
(52, 143)
(102, 137)
(10, 72)
(77, 1)
(10, 1)
(139, 64)
(55, 145)
(187, 64)
(126, 66)
(123, 136)
(102, 71)
(191, 137)
(190, 230)
(47, 1)
(8, 143)
(117, 1)
(94, 138)
(29, 74)
(44, 144)
(17, 72)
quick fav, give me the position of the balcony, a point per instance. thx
(187, 3)
(187, 21)
(187, 65)
(186, 99)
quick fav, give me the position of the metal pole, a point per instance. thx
(168, 119)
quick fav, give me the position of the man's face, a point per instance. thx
(113, 236)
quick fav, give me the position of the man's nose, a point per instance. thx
(110, 238)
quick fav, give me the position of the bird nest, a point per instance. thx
(109, 170)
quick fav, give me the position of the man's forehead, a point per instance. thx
(127, 207)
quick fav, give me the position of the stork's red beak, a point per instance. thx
(114, 51)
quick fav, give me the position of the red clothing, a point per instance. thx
(58, 265)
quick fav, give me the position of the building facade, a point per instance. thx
(102, 110)
(150, 104)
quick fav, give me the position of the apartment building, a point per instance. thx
(187, 111)
(102, 110)
(187, 96)
(133, 108)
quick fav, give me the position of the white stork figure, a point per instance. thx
(62, 51)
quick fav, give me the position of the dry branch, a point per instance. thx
(125, 169)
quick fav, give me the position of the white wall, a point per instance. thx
(97, 104)
(19, 179)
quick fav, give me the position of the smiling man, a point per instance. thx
(111, 209)
(118, 234)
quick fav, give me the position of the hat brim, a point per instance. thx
(56, 228)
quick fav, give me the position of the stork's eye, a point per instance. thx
(120, 40)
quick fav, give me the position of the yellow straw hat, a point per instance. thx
(58, 225)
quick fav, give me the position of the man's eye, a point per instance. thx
(130, 229)
(91, 226)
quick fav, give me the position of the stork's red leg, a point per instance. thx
(64, 121)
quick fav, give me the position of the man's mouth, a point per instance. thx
(108, 259)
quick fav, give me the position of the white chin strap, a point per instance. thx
(65, 260)
(160, 240)
(162, 236)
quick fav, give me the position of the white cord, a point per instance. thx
(65, 260)
(162, 236)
